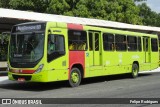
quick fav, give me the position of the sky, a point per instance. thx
(154, 5)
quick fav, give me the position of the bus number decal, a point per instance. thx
(87, 54)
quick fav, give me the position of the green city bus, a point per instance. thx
(56, 51)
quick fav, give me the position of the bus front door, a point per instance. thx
(146, 49)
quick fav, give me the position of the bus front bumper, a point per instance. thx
(28, 77)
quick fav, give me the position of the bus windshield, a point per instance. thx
(26, 47)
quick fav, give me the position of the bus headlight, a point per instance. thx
(39, 68)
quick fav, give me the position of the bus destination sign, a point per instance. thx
(28, 28)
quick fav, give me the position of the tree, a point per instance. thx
(4, 3)
(115, 10)
(123, 11)
(21, 4)
(90, 9)
(149, 17)
(58, 7)
(30, 5)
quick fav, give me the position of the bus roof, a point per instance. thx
(86, 27)
(33, 16)
(115, 31)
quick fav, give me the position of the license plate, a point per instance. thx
(21, 79)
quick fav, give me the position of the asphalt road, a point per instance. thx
(147, 85)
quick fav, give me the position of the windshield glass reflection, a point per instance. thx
(26, 47)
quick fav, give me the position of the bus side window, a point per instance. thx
(154, 44)
(90, 41)
(51, 44)
(108, 42)
(77, 40)
(120, 42)
(56, 47)
(71, 46)
(132, 43)
(139, 44)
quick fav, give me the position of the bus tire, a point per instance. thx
(135, 70)
(75, 77)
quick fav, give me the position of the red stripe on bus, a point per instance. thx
(76, 57)
(22, 71)
(74, 26)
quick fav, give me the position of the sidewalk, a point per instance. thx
(151, 71)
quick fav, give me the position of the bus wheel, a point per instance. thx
(135, 70)
(75, 77)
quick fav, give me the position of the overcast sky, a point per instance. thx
(154, 5)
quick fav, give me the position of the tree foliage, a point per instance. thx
(149, 17)
(115, 10)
